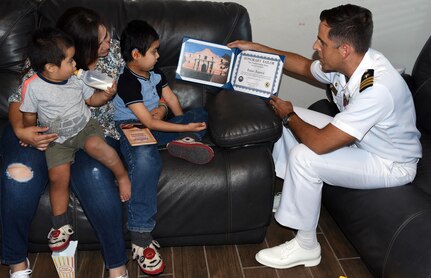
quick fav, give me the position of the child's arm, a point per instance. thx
(145, 117)
(99, 97)
(29, 119)
(172, 101)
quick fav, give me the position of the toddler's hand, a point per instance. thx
(111, 91)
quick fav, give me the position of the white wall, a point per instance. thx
(400, 30)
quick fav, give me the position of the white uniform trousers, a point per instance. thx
(304, 172)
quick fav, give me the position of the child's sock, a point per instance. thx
(141, 239)
(59, 221)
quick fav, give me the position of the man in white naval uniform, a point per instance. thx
(371, 143)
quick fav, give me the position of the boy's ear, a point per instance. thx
(50, 67)
(135, 54)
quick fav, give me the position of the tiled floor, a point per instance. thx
(230, 261)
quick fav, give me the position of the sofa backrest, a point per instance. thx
(212, 21)
(421, 78)
(18, 19)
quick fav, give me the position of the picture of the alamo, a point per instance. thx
(206, 63)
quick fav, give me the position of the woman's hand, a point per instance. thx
(34, 137)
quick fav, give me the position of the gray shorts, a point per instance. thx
(63, 153)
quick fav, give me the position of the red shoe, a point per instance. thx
(191, 150)
(59, 239)
(148, 258)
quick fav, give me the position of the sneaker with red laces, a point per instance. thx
(191, 150)
(148, 258)
(59, 239)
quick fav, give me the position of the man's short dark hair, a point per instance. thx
(139, 35)
(350, 24)
(48, 46)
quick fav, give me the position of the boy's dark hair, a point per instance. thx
(350, 24)
(83, 25)
(48, 46)
(139, 35)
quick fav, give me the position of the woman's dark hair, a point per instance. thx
(83, 25)
(350, 24)
(48, 46)
(139, 35)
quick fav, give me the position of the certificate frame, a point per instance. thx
(252, 72)
(201, 62)
(257, 73)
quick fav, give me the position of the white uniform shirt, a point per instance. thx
(382, 117)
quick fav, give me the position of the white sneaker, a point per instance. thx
(22, 273)
(289, 254)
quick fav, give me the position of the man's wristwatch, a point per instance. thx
(287, 118)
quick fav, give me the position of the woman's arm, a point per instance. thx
(29, 119)
(32, 135)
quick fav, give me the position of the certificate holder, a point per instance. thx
(257, 73)
(251, 72)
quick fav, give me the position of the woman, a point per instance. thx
(24, 170)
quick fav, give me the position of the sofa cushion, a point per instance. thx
(237, 118)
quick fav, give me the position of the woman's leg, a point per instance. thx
(24, 178)
(94, 186)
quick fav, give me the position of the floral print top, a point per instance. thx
(112, 64)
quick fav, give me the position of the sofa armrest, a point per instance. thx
(237, 119)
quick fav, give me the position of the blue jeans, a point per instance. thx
(191, 116)
(144, 166)
(92, 183)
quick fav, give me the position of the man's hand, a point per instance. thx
(33, 136)
(280, 107)
(243, 45)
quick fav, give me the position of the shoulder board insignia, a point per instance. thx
(367, 80)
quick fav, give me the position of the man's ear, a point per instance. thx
(346, 50)
(135, 54)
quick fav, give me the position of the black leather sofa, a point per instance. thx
(227, 201)
(230, 199)
(391, 228)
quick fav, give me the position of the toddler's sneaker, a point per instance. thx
(148, 258)
(22, 273)
(59, 239)
(191, 150)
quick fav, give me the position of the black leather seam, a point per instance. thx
(397, 232)
(17, 20)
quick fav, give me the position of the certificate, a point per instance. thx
(212, 64)
(257, 73)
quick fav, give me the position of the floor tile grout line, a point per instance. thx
(172, 262)
(206, 261)
(333, 251)
(239, 260)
